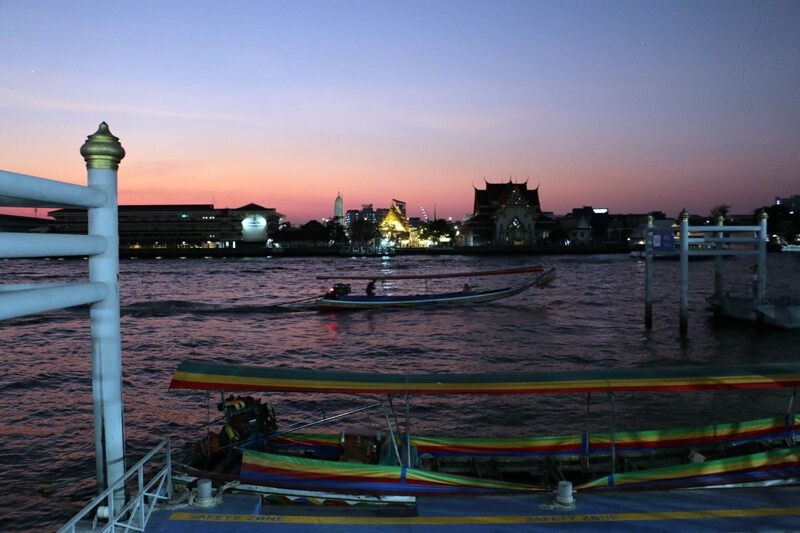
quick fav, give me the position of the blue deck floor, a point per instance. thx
(685, 510)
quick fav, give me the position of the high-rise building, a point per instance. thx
(351, 216)
(368, 213)
(338, 210)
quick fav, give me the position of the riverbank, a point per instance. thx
(313, 251)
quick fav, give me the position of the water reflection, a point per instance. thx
(225, 310)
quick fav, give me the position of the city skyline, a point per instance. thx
(629, 106)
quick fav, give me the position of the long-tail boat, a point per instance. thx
(383, 463)
(339, 298)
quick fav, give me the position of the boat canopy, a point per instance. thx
(506, 272)
(225, 377)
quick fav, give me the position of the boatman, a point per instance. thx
(371, 288)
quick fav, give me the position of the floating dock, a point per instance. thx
(781, 313)
(743, 509)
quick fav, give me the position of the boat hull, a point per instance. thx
(274, 474)
(756, 452)
(342, 303)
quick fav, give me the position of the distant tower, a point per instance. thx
(338, 210)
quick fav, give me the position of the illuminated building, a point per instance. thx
(395, 228)
(350, 216)
(576, 229)
(365, 213)
(338, 210)
(190, 225)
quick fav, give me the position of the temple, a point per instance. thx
(396, 228)
(504, 214)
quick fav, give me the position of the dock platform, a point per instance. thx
(743, 509)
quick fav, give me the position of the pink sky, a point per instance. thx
(680, 105)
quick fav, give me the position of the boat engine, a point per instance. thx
(339, 289)
(246, 416)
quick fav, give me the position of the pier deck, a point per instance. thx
(747, 509)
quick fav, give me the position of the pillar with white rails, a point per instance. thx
(103, 153)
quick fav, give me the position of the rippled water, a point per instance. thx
(233, 311)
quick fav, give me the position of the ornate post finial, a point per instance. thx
(720, 220)
(684, 215)
(763, 215)
(102, 149)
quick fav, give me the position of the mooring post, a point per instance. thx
(718, 246)
(102, 153)
(648, 273)
(762, 257)
(684, 314)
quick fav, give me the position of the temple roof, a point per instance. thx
(488, 200)
(395, 217)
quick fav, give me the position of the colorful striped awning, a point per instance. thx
(314, 474)
(783, 463)
(224, 377)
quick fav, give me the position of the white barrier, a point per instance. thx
(20, 190)
(102, 153)
(41, 245)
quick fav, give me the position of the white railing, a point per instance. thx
(20, 190)
(102, 153)
(133, 515)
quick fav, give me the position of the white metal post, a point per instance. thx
(684, 313)
(648, 273)
(718, 247)
(761, 246)
(103, 152)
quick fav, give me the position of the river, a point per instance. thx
(234, 311)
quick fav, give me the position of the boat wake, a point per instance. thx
(179, 307)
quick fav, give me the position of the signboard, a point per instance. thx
(663, 241)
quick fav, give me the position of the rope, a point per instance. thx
(193, 500)
(300, 300)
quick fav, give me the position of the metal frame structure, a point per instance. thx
(102, 153)
(133, 515)
(714, 243)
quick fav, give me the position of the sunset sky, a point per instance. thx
(632, 106)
